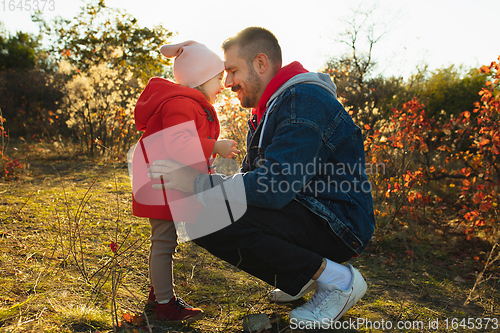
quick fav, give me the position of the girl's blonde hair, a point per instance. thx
(200, 89)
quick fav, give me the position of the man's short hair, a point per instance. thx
(253, 41)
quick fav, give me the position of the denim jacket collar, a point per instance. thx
(320, 79)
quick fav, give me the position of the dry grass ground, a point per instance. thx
(58, 273)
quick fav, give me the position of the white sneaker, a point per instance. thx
(330, 303)
(278, 295)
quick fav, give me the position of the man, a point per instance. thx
(309, 203)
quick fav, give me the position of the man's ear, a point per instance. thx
(261, 63)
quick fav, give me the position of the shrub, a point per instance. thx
(8, 167)
(100, 105)
(426, 162)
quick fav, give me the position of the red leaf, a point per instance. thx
(480, 223)
(484, 142)
(133, 319)
(113, 246)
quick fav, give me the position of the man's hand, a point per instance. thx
(175, 175)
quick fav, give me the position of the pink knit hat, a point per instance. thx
(194, 63)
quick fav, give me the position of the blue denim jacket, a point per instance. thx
(306, 148)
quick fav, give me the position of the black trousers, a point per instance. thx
(282, 247)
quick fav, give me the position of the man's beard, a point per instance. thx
(254, 84)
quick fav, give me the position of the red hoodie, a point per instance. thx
(282, 76)
(164, 104)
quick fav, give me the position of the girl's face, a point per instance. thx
(213, 87)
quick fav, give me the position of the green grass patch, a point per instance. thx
(58, 273)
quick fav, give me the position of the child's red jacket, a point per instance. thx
(164, 104)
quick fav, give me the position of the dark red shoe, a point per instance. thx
(176, 311)
(151, 304)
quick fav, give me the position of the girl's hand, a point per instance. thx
(226, 148)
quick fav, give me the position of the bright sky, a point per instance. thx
(436, 32)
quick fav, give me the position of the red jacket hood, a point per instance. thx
(283, 75)
(157, 92)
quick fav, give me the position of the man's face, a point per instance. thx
(242, 78)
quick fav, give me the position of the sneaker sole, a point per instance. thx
(352, 300)
(184, 321)
(284, 297)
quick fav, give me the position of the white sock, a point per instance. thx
(335, 274)
(165, 301)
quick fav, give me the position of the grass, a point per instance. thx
(58, 273)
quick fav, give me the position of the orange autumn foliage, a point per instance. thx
(433, 168)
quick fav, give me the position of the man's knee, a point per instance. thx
(206, 241)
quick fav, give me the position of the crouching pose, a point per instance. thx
(309, 203)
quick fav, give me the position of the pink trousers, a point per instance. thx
(163, 244)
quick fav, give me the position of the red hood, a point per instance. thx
(157, 92)
(283, 75)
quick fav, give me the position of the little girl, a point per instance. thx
(164, 104)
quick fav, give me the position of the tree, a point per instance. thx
(29, 99)
(107, 58)
(18, 51)
(100, 104)
(452, 90)
(28, 94)
(367, 98)
(88, 39)
(360, 28)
